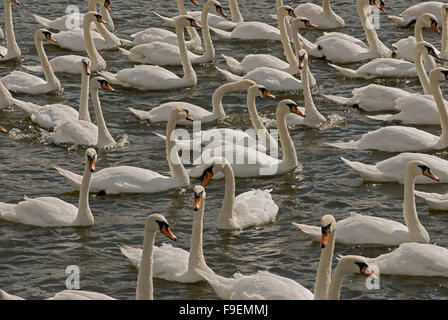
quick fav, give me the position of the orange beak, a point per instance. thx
(310, 25)
(92, 165)
(50, 38)
(106, 86)
(431, 175)
(2, 55)
(195, 24)
(16, 2)
(297, 111)
(206, 180)
(189, 118)
(324, 239)
(221, 12)
(293, 14)
(301, 63)
(101, 20)
(381, 7)
(197, 203)
(167, 232)
(87, 70)
(195, 2)
(435, 27)
(107, 6)
(267, 94)
(367, 274)
(3, 130)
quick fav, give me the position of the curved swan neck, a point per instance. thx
(226, 212)
(444, 52)
(50, 77)
(177, 169)
(85, 216)
(186, 63)
(288, 148)
(91, 50)
(438, 98)
(313, 116)
(375, 43)
(336, 283)
(418, 34)
(104, 136)
(326, 7)
(260, 130)
(209, 53)
(323, 276)
(409, 209)
(11, 44)
(196, 258)
(84, 99)
(235, 11)
(144, 278)
(218, 95)
(421, 72)
(190, 30)
(287, 49)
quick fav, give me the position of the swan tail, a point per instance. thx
(311, 231)
(349, 73)
(33, 68)
(142, 115)
(72, 178)
(134, 255)
(366, 171)
(6, 296)
(230, 77)
(27, 107)
(403, 21)
(43, 21)
(112, 78)
(222, 286)
(382, 117)
(234, 65)
(125, 52)
(169, 21)
(339, 99)
(343, 145)
(221, 33)
(126, 43)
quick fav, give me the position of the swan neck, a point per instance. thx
(218, 95)
(186, 63)
(438, 98)
(260, 130)
(336, 283)
(144, 279)
(209, 49)
(444, 52)
(91, 50)
(375, 44)
(287, 49)
(11, 44)
(196, 258)
(418, 34)
(421, 72)
(177, 169)
(409, 209)
(323, 276)
(226, 213)
(313, 116)
(235, 11)
(104, 136)
(85, 216)
(326, 7)
(288, 149)
(50, 77)
(84, 99)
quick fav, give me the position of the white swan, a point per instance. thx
(444, 50)
(360, 229)
(67, 21)
(83, 132)
(145, 77)
(411, 14)
(18, 81)
(435, 201)
(251, 162)
(413, 259)
(162, 112)
(405, 47)
(126, 179)
(145, 291)
(52, 115)
(219, 22)
(393, 169)
(157, 34)
(252, 61)
(266, 285)
(389, 67)
(275, 79)
(251, 208)
(401, 139)
(341, 48)
(183, 265)
(71, 63)
(12, 50)
(324, 16)
(53, 212)
(162, 53)
(6, 99)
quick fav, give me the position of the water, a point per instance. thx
(33, 260)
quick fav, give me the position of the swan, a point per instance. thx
(154, 223)
(409, 15)
(324, 16)
(6, 99)
(251, 162)
(251, 208)
(53, 212)
(157, 34)
(274, 79)
(126, 179)
(388, 67)
(18, 81)
(405, 47)
(161, 53)
(183, 264)
(66, 22)
(83, 132)
(145, 77)
(401, 139)
(269, 286)
(162, 112)
(219, 22)
(12, 50)
(435, 201)
(71, 63)
(393, 169)
(360, 229)
(52, 115)
(340, 48)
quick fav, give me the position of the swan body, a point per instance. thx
(53, 212)
(145, 77)
(435, 201)
(127, 179)
(83, 132)
(18, 81)
(162, 112)
(324, 16)
(12, 50)
(413, 12)
(253, 30)
(401, 139)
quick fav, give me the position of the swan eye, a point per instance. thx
(326, 229)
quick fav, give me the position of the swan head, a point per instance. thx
(218, 7)
(99, 82)
(260, 91)
(284, 11)
(377, 3)
(301, 22)
(429, 20)
(416, 168)
(15, 2)
(444, 9)
(438, 74)
(328, 227)
(187, 21)
(156, 222)
(85, 66)
(354, 264)
(288, 106)
(42, 34)
(195, 2)
(91, 159)
(94, 16)
(107, 5)
(212, 167)
(181, 114)
(303, 58)
(3, 130)
(199, 196)
(424, 47)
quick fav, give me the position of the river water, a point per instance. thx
(33, 260)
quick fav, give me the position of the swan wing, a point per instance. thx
(274, 79)
(255, 30)
(158, 53)
(80, 295)
(434, 7)
(76, 131)
(162, 112)
(387, 67)
(18, 81)
(146, 77)
(50, 116)
(154, 34)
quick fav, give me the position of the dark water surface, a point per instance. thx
(33, 260)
